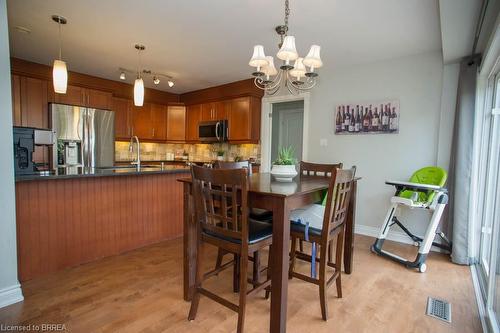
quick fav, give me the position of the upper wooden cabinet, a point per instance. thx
(176, 123)
(214, 111)
(122, 123)
(30, 108)
(141, 121)
(244, 119)
(84, 97)
(193, 118)
(159, 121)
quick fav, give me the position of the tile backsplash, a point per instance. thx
(196, 152)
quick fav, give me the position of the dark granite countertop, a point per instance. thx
(78, 172)
(177, 161)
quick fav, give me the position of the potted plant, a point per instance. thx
(283, 168)
(220, 154)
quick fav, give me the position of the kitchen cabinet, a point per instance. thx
(159, 121)
(141, 121)
(193, 118)
(244, 119)
(122, 123)
(30, 108)
(176, 123)
(91, 98)
(213, 111)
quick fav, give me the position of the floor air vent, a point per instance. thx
(439, 309)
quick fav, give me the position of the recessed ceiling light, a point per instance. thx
(22, 29)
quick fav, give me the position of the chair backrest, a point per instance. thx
(234, 165)
(338, 196)
(220, 199)
(315, 169)
(430, 175)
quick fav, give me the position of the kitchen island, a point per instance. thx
(68, 218)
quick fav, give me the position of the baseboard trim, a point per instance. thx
(11, 295)
(479, 297)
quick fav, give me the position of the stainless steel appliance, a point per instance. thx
(85, 136)
(25, 140)
(213, 131)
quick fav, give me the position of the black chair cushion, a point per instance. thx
(261, 214)
(258, 231)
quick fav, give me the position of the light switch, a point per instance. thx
(323, 142)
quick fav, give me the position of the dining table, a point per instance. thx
(281, 198)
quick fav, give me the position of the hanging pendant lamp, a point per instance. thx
(139, 83)
(59, 69)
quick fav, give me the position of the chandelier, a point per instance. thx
(299, 77)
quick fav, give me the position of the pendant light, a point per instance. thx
(139, 83)
(59, 69)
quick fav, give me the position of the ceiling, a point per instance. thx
(205, 43)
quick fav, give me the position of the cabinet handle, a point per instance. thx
(153, 132)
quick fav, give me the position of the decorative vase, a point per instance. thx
(283, 173)
(220, 158)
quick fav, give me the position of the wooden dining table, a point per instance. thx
(280, 198)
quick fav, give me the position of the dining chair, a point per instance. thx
(221, 211)
(255, 213)
(316, 170)
(337, 204)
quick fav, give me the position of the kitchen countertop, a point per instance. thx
(79, 172)
(178, 161)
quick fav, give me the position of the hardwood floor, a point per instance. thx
(141, 291)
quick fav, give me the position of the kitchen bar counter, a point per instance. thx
(68, 219)
(78, 172)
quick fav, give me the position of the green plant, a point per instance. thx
(238, 158)
(286, 156)
(220, 152)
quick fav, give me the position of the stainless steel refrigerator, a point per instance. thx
(85, 136)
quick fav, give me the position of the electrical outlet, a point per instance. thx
(323, 142)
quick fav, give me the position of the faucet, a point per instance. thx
(138, 150)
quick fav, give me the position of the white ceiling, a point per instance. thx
(206, 42)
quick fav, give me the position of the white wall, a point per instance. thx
(417, 82)
(10, 291)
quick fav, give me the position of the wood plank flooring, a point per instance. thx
(141, 291)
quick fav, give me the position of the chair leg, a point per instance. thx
(220, 255)
(256, 268)
(198, 281)
(338, 261)
(269, 260)
(236, 273)
(330, 251)
(301, 246)
(243, 291)
(293, 253)
(322, 283)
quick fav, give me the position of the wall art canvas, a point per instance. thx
(367, 118)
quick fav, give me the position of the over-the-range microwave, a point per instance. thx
(213, 131)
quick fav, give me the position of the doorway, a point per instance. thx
(287, 127)
(293, 112)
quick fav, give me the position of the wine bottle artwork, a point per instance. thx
(381, 117)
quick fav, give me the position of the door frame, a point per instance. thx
(267, 126)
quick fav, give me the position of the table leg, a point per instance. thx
(189, 244)
(349, 230)
(279, 266)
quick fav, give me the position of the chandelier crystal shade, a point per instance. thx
(300, 76)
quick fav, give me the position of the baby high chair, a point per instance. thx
(423, 191)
